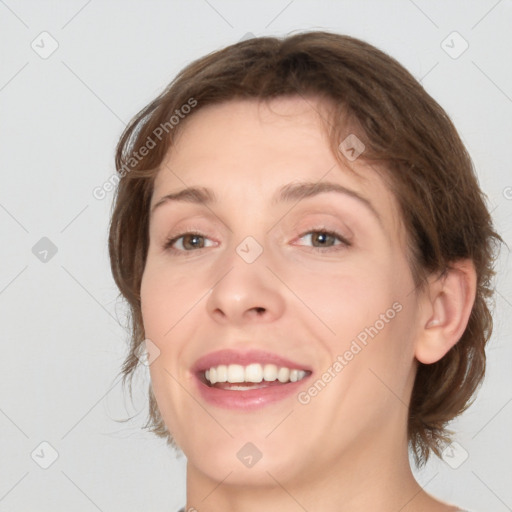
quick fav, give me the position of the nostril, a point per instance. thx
(260, 310)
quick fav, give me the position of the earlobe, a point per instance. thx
(449, 302)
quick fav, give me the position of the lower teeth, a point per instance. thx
(240, 386)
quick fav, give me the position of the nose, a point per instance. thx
(247, 293)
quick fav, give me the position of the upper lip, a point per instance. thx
(244, 357)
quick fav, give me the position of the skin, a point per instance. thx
(345, 450)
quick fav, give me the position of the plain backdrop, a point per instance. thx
(72, 74)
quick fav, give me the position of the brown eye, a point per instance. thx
(186, 242)
(326, 239)
(193, 241)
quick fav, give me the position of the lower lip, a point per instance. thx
(250, 399)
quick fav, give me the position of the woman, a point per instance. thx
(307, 256)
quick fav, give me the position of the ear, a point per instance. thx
(445, 312)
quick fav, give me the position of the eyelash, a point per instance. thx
(168, 245)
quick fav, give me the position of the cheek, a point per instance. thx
(347, 299)
(166, 297)
(167, 305)
(366, 315)
(374, 320)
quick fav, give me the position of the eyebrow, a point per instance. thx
(287, 193)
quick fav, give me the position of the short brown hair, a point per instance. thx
(426, 166)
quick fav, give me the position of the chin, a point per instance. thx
(246, 462)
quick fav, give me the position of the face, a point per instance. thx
(256, 271)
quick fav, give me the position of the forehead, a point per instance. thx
(247, 149)
(250, 131)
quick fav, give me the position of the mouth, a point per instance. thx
(249, 380)
(253, 376)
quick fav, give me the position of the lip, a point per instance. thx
(251, 399)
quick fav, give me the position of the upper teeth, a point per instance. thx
(252, 373)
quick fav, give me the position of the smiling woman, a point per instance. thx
(308, 258)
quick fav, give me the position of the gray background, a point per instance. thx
(61, 116)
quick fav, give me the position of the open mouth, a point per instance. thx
(236, 377)
(249, 379)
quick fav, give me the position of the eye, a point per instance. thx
(185, 242)
(326, 239)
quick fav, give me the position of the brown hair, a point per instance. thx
(426, 164)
